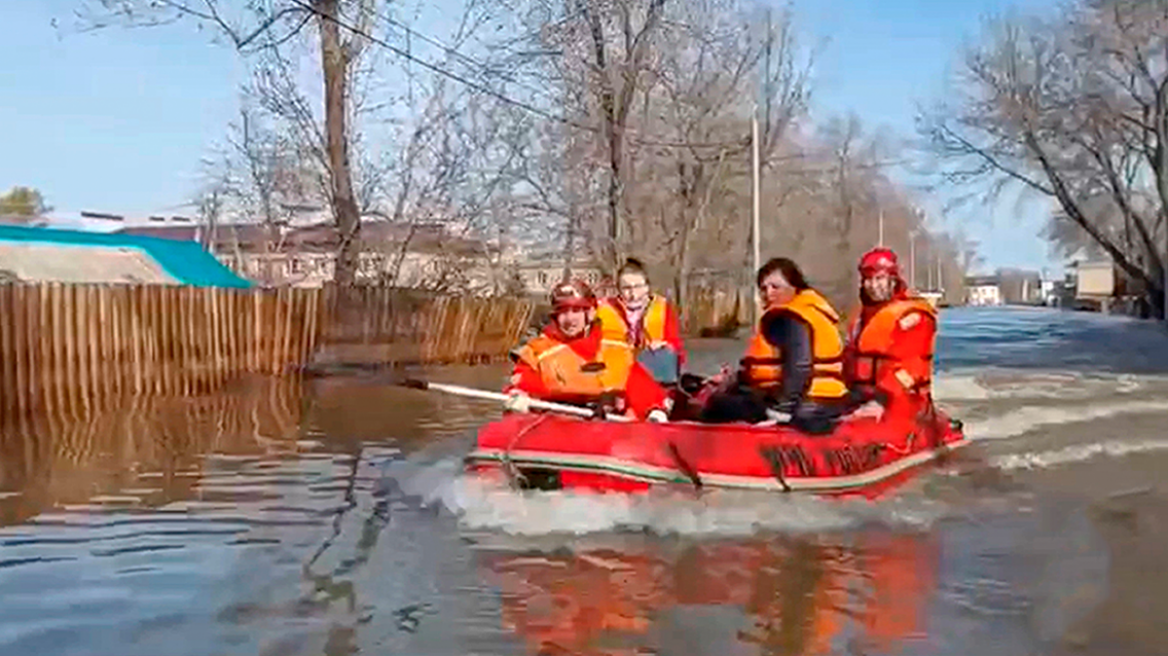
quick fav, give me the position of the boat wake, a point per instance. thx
(1074, 454)
(1023, 419)
(1035, 419)
(485, 505)
(1031, 418)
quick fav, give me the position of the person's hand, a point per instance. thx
(778, 417)
(723, 376)
(517, 402)
(870, 410)
(658, 416)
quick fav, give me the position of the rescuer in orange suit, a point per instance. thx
(793, 367)
(646, 321)
(571, 362)
(889, 359)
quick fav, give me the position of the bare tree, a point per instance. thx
(718, 64)
(1073, 108)
(267, 26)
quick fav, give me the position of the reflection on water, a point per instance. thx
(289, 518)
(142, 452)
(791, 596)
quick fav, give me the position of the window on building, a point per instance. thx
(296, 265)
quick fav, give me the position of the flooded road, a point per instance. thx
(329, 517)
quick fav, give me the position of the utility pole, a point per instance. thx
(881, 244)
(928, 273)
(756, 194)
(912, 259)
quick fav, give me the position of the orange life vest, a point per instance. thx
(762, 365)
(871, 344)
(652, 333)
(567, 374)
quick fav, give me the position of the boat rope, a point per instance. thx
(515, 477)
(777, 462)
(685, 467)
(908, 448)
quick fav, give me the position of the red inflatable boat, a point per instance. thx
(545, 451)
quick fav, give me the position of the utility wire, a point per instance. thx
(496, 94)
(525, 105)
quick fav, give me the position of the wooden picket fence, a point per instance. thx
(67, 348)
(715, 311)
(402, 326)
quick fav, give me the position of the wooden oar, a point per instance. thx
(459, 390)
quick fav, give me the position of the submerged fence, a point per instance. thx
(387, 325)
(67, 349)
(715, 311)
(64, 348)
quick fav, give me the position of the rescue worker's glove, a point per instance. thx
(517, 402)
(658, 416)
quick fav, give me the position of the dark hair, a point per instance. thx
(788, 268)
(632, 265)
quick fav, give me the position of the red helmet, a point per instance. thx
(573, 294)
(879, 260)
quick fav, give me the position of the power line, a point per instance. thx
(495, 94)
(454, 76)
(451, 50)
(548, 115)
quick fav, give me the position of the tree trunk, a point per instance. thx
(335, 63)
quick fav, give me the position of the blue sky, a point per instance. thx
(118, 120)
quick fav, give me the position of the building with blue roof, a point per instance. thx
(40, 254)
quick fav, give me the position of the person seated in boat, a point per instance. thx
(570, 361)
(645, 321)
(792, 370)
(888, 362)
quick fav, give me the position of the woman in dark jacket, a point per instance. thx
(793, 367)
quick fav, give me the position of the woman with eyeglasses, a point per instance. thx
(645, 321)
(793, 367)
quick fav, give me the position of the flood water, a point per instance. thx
(329, 517)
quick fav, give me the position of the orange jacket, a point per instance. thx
(581, 370)
(762, 363)
(658, 327)
(890, 350)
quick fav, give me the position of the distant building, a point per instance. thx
(539, 272)
(1102, 285)
(1020, 287)
(1096, 280)
(406, 255)
(983, 290)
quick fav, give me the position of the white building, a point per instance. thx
(983, 290)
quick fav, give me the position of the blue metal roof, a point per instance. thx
(185, 261)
